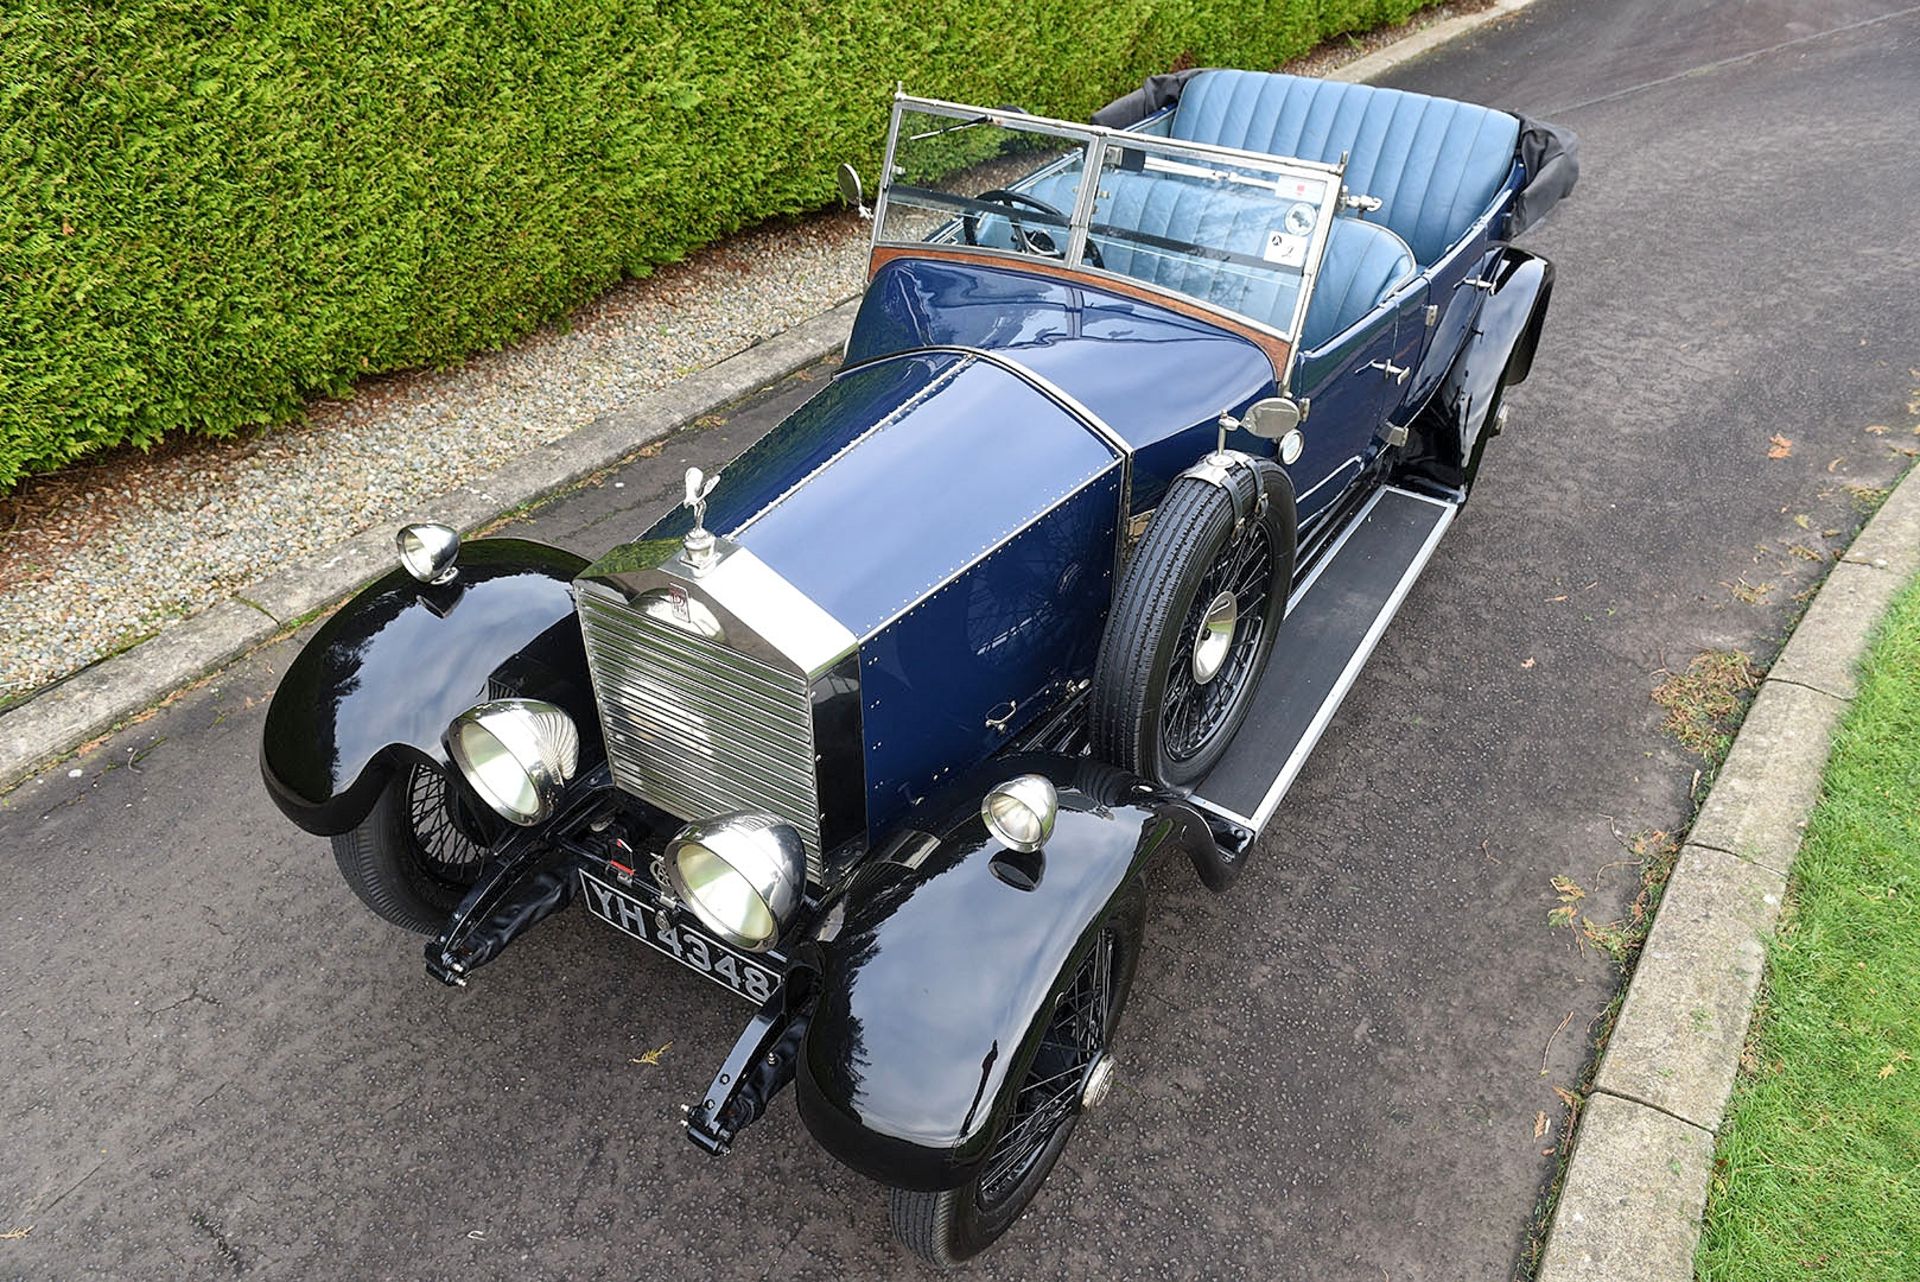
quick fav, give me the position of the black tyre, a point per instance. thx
(409, 861)
(1071, 1052)
(1193, 623)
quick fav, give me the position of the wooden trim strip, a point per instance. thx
(1278, 350)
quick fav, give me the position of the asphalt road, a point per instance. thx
(215, 1064)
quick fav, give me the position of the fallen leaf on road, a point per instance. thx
(1553, 599)
(14, 1235)
(1539, 1124)
(1570, 895)
(1836, 463)
(1782, 447)
(1878, 429)
(653, 1056)
(1802, 521)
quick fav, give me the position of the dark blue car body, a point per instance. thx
(916, 570)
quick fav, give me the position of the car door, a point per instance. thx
(1411, 340)
(1459, 284)
(1350, 384)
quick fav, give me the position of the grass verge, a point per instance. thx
(1818, 1169)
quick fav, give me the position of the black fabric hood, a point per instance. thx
(1551, 154)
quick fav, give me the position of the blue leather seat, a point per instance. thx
(1435, 164)
(1362, 265)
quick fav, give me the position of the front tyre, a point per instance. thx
(1193, 624)
(1068, 1071)
(409, 861)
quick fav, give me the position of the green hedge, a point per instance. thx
(210, 213)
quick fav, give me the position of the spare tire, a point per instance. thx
(1194, 621)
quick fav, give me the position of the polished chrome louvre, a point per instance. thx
(698, 728)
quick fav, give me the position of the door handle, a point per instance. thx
(1398, 373)
(1477, 282)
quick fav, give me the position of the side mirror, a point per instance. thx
(1275, 419)
(851, 191)
(1272, 418)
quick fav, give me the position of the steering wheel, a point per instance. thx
(1036, 242)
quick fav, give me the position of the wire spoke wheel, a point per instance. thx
(446, 853)
(1067, 1071)
(414, 856)
(1194, 621)
(1075, 1039)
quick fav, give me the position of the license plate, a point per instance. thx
(679, 938)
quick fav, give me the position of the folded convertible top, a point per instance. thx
(1551, 154)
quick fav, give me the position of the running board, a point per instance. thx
(1335, 617)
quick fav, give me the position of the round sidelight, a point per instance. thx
(517, 754)
(742, 874)
(427, 551)
(1291, 446)
(1020, 812)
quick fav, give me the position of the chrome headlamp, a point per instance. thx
(427, 551)
(1020, 812)
(517, 753)
(742, 874)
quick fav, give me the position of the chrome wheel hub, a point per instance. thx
(1214, 641)
(1099, 1082)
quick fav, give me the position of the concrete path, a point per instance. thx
(217, 1065)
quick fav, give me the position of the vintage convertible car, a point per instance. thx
(884, 728)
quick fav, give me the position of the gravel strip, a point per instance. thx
(140, 541)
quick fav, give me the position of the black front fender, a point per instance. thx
(381, 679)
(946, 949)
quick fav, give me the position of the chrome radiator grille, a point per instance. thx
(697, 728)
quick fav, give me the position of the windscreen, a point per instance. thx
(1235, 231)
(967, 180)
(1238, 235)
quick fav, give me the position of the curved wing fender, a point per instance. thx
(1514, 313)
(934, 966)
(381, 679)
(1448, 435)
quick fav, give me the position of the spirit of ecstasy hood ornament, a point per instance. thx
(699, 541)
